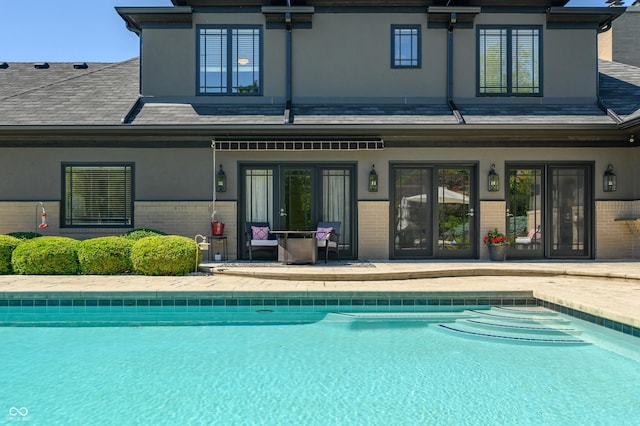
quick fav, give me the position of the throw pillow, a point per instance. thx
(259, 232)
(323, 233)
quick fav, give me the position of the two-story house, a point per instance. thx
(417, 124)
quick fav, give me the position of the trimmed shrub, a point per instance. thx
(137, 234)
(25, 235)
(105, 256)
(165, 255)
(7, 245)
(46, 256)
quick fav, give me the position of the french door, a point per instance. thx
(433, 211)
(549, 211)
(298, 196)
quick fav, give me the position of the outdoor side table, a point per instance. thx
(222, 239)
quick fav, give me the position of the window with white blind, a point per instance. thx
(97, 195)
(229, 60)
(509, 61)
(405, 50)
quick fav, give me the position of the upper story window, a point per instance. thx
(509, 61)
(230, 60)
(405, 46)
(97, 195)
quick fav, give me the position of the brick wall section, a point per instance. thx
(492, 215)
(189, 218)
(615, 239)
(24, 216)
(184, 218)
(373, 230)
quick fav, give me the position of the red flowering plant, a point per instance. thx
(495, 238)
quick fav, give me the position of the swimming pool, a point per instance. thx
(336, 365)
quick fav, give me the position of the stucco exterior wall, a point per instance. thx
(347, 56)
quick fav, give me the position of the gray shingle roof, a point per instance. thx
(373, 114)
(192, 113)
(620, 87)
(534, 114)
(103, 93)
(100, 94)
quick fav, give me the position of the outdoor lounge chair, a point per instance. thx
(328, 236)
(259, 237)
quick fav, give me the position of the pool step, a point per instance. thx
(529, 326)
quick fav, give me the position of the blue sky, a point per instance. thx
(84, 30)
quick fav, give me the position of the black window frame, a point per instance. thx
(128, 203)
(481, 90)
(228, 88)
(418, 36)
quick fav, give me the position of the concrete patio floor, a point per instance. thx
(607, 289)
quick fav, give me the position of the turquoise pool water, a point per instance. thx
(486, 366)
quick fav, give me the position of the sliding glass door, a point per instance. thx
(432, 208)
(549, 210)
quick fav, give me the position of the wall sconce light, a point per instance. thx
(373, 179)
(493, 180)
(610, 180)
(221, 181)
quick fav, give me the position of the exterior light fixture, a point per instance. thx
(373, 179)
(243, 61)
(493, 180)
(221, 180)
(610, 181)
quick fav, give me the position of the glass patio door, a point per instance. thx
(455, 213)
(525, 211)
(433, 212)
(298, 196)
(296, 199)
(413, 207)
(549, 211)
(570, 211)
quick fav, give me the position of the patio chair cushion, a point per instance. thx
(259, 233)
(264, 243)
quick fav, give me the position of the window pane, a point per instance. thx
(213, 61)
(98, 195)
(246, 60)
(406, 47)
(336, 201)
(493, 61)
(259, 195)
(525, 66)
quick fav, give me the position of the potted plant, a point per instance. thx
(217, 228)
(497, 242)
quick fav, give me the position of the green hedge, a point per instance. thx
(105, 256)
(46, 256)
(165, 255)
(7, 245)
(137, 234)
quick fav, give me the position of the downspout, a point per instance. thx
(452, 105)
(288, 117)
